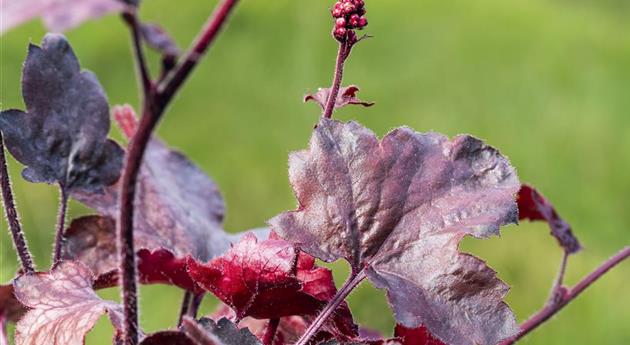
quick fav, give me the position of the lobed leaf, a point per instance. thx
(270, 279)
(533, 206)
(62, 138)
(64, 307)
(178, 208)
(397, 209)
(92, 240)
(347, 96)
(57, 15)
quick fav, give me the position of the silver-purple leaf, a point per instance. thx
(64, 307)
(159, 40)
(398, 208)
(62, 138)
(57, 15)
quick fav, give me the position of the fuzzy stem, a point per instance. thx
(171, 84)
(342, 55)
(4, 339)
(183, 310)
(551, 309)
(195, 304)
(131, 18)
(153, 108)
(19, 241)
(352, 282)
(270, 332)
(61, 222)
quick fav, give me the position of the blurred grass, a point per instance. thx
(546, 81)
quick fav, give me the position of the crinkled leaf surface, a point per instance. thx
(58, 15)
(62, 138)
(10, 308)
(224, 332)
(169, 338)
(269, 279)
(64, 306)
(416, 336)
(178, 207)
(347, 96)
(534, 206)
(398, 208)
(92, 240)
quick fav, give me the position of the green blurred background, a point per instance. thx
(546, 81)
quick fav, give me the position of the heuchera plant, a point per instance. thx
(394, 208)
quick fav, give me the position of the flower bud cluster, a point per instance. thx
(349, 15)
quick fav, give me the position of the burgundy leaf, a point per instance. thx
(398, 208)
(63, 136)
(347, 95)
(11, 309)
(533, 206)
(169, 338)
(269, 279)
(58, 15)
(207, 332)
(64, 306)
(92, 240)
(416, 336)
(159, 40)
(178, 207)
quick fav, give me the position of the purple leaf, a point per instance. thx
(533, 206)
(92, 240)
(398, 209)
(179, 208)
(63, 136)
(347, 95)
(207, 332)
(159, 40)
(64, 306)
(58, 15)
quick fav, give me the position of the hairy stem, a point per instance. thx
(342, 55)
(171, 84)
(19, 241)
(131, 18)
(183, 310)
(61, 222)
(551, 309)
(195, 304)
(154, 104)
(270, 332)
(4, 339)
(353, 281)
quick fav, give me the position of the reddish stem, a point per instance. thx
(558, 289)
(342, 55)
(551, 309)
(352, 282)
(171, 84)
(19, 241)
(61, 222)
(153, 108)
(195, 303)
(270, 332)
(131, 19)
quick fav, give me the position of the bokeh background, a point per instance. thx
(546, 81)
